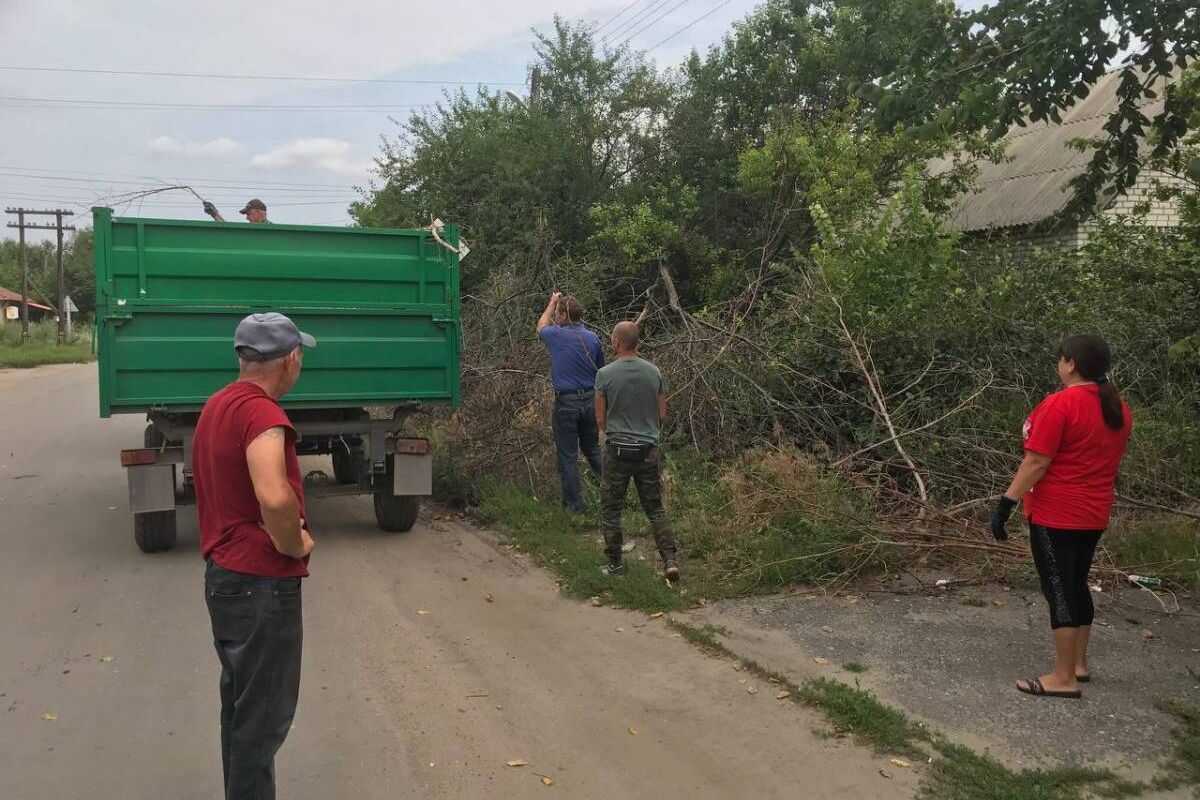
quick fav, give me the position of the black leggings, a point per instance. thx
(1063, 559)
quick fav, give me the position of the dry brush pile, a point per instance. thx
(815, 434)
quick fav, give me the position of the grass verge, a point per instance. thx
(566, 544)
(35, 355)
(1166, 547)
(737, 534)
(955, 772)
(41, 347)
(1184, 767)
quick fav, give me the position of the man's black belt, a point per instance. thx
(561, 392)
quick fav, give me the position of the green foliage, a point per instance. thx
(758, 542)
(644, 234)
(522, 179)
(1022, 61)
(43, 270)
(1177, 170)
(808, 254)
(1168, 547)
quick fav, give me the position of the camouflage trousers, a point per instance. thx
(647, 479)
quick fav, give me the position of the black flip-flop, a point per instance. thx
(1034, 687)
(1083, 678)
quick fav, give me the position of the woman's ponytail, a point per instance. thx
(1093, 357)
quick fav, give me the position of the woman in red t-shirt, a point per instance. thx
(1074, 441)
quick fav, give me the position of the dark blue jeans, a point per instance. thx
(574, 430)
(258, 632)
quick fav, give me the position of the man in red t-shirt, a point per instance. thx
(253, 536)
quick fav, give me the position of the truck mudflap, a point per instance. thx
(412, 472)
(151, 478)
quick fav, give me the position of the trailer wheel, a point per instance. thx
(153, 438)
(347, 461)
(154, 531)
(396, 513)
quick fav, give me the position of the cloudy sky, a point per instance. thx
(75, 138)
(76, 130)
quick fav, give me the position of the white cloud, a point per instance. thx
(278, 37)
(329, 155)
(221, 147)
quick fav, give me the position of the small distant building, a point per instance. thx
(10, 308)
(1015, 201)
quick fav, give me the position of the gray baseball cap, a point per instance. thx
(268, 337)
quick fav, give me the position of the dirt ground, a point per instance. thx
(950, 657)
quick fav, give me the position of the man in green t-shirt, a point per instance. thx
(631, 405)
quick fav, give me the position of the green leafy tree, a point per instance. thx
(523, 177)
(1022, 61)
(41, 258)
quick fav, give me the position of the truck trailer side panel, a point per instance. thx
(383, 305)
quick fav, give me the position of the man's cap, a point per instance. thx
(255, 203)
(266, 337)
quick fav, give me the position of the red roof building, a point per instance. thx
(10, 308)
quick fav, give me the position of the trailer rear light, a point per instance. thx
(412, 447)
(138, 458)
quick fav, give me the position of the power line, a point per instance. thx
(655, 21)
(156, 178)
(141, 183)
(103, 200)
(690, 25)
(83, 202)
(65, 102)
(636, 19)
(611, 19)
(225, 76)
(96, 198)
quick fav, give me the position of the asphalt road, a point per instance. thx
(414, 684)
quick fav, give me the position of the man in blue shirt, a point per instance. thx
(575, 357)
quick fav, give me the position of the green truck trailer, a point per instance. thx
(383, 305)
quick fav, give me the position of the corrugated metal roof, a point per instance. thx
(14, 297)
(1033, 184)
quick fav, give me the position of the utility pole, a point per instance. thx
(62, 289)
(24, 277)
(21, 225)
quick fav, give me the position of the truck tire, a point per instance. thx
(396, 513)
(154, 531)
(347, 462)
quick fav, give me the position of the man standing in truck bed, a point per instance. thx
(575, 355)
(255, 211)
(254, 538)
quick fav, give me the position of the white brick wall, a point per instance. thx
(1021, 242)
(1160, 215)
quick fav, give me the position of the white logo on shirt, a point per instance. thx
(1025, 429)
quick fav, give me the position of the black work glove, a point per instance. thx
(1000, 516)
(210, 209)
